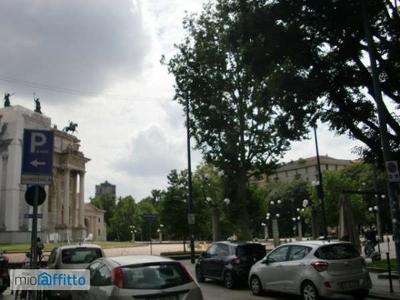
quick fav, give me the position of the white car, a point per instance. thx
(312, 269)
(139, 277)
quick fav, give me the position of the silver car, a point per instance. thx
(141, 277)
(71, 257)
(312, 269)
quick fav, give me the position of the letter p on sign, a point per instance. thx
(38, 139)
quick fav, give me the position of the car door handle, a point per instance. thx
(279, 266)
(302, 265)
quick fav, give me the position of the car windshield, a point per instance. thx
(251, 251)
(337, 251)
(82, 255)
(155, 276)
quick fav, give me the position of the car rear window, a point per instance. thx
(337, 251)
(155, 276)
(82, 255)
(251, 251)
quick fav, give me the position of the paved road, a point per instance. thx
(211, 290)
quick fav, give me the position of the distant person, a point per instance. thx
(39, 249)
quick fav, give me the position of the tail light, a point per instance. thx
(186, 272)
(235, 260)
(116, 277)
(320, 266)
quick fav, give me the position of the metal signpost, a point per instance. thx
(37, 168)
(150, 217)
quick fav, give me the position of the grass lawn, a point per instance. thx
(49, 247)
(383, 264)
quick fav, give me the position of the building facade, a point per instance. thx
(305, 169)
(63, 211)
(106, 188)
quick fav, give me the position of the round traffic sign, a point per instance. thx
(30, 195)
(391, 167)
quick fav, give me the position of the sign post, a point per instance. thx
(392, 171)
(149, 217)
(37, 168)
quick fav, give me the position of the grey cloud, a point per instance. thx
(151, 153)
(82, 45)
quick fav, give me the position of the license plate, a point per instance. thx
(349, 284)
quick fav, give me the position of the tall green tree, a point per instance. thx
(174, 207)
(107, 203)
(125, 214)
(237, 124)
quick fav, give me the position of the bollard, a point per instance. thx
(389, 272)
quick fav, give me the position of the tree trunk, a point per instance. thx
(216, 224)
(243, 218)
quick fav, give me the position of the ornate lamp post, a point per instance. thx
(133, 231)
(159, 230)
(215, 205)
(274, 213)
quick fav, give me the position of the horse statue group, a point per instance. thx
(71, 127)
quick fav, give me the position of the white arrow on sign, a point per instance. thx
(37, 163)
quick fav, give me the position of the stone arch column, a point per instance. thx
(81, 199)
(66, 198)
(3, 183)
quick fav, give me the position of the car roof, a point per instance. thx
(137, 259)
(79, 246)
(316, 243)
(237, 243)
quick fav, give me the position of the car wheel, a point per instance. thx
(361, 294)
(228, 280)
(309, 291)
(199, 274)
(256, 286)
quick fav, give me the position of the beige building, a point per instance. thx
(63, 214)
(305, 169)
(94, 222)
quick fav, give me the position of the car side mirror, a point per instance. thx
(268, 260)
(204, 254)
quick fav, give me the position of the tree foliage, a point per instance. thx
(314, 56)
(237, 124)
(125, 214)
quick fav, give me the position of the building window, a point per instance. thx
(98, 232)
(327, 167)
(99, 220)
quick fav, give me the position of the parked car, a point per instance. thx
(72, 257)
(312, 269)
(229, 262)
(139, 277)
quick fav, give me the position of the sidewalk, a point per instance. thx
(380, 287)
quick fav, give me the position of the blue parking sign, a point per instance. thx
(37, 156)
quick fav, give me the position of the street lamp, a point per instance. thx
(191, 216)
(319, 184)
(133, 231)
(159, 230)
(274, 214)
(215, 205)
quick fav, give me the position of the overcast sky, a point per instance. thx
(97, 63)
